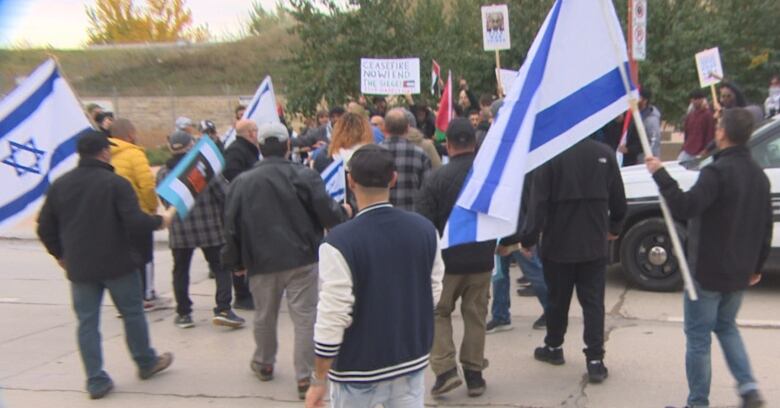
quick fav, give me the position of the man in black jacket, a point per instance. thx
(467, 270)
(275, 214)
(240, 156)
(84, 224)
(577, 203)
(729, 237)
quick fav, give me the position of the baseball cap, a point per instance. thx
(372, 166)
(179, 141)
(461, 132)
(92, 142)
(272, 131)
(183, 122)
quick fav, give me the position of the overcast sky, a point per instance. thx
(63, 23)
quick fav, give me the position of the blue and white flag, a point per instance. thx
(39, 124)
(568, 87)
(335, 179)
(191, 176)
(262, 109)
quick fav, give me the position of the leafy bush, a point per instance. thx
(158, 155)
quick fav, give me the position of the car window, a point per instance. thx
(767, 152)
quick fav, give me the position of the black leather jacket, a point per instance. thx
(275, 214)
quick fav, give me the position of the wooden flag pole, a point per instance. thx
(500, 87)
(670, 225)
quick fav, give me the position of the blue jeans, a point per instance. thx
(714, 312)
(403, 392)
(532, 269)
(87, 298)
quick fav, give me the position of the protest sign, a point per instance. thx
(495, 27)
(389, 76)
(191, 176)
(708, 66)
(639, 29)
(507, 77)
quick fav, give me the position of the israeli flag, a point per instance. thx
(262, 109)
(568, 87)
(334, 177)
(39, 124)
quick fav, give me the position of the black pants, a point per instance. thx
(588, 278)
(241, 286)
(182, 258)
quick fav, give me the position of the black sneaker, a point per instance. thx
(183, 321)
(446, 382)
(494, 326)
(523, 281)
(229, 319)
(752, 399)
(98, 394)
(549, 355)
(474, 382)
(540, 323)
(244, 304)
(303, 388)
(597, 371)
(525, 291)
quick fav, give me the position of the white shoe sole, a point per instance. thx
(221, 321)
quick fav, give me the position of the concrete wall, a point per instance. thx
(154, 116)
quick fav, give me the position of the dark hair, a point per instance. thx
(473, 111)
(372, 166)
(738, 125)
(396, 123)
(485, 100)
(739, 97)
(378, 99)
(239, 108)
(697, 94)
(336, 111)
(273, 148)
(646, 93)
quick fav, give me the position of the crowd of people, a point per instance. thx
(370, 270)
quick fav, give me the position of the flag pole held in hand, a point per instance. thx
(675, 237)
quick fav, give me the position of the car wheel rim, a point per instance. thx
(654, 257)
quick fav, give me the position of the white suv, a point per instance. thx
(644, 247)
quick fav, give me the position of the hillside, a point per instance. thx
(206, 69)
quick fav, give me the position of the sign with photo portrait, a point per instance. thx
(495, 27)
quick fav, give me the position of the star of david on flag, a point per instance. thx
(39, 124)
(17, 160)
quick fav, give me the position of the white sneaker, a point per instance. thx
(157, 303)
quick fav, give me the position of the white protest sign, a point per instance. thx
(507, 78)
(639, 30)
(495, 27)
(389, 76)
(709, 67)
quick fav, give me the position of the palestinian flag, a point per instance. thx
(445, 114)
(435, 75)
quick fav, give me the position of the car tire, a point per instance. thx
(647, 256)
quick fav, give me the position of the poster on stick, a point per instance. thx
(708, 66)
(639, 30)
(495, 27)
(389, 76)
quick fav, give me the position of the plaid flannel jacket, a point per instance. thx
(413, 166)
(203, 226)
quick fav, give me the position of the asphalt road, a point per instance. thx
(40, 366)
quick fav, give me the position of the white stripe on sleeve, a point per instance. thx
(335, 304)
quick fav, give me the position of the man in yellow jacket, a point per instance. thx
(129, 161)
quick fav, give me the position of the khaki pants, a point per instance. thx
(300, 285)
(474, 292)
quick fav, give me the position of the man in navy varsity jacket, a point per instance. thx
(374, 328)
